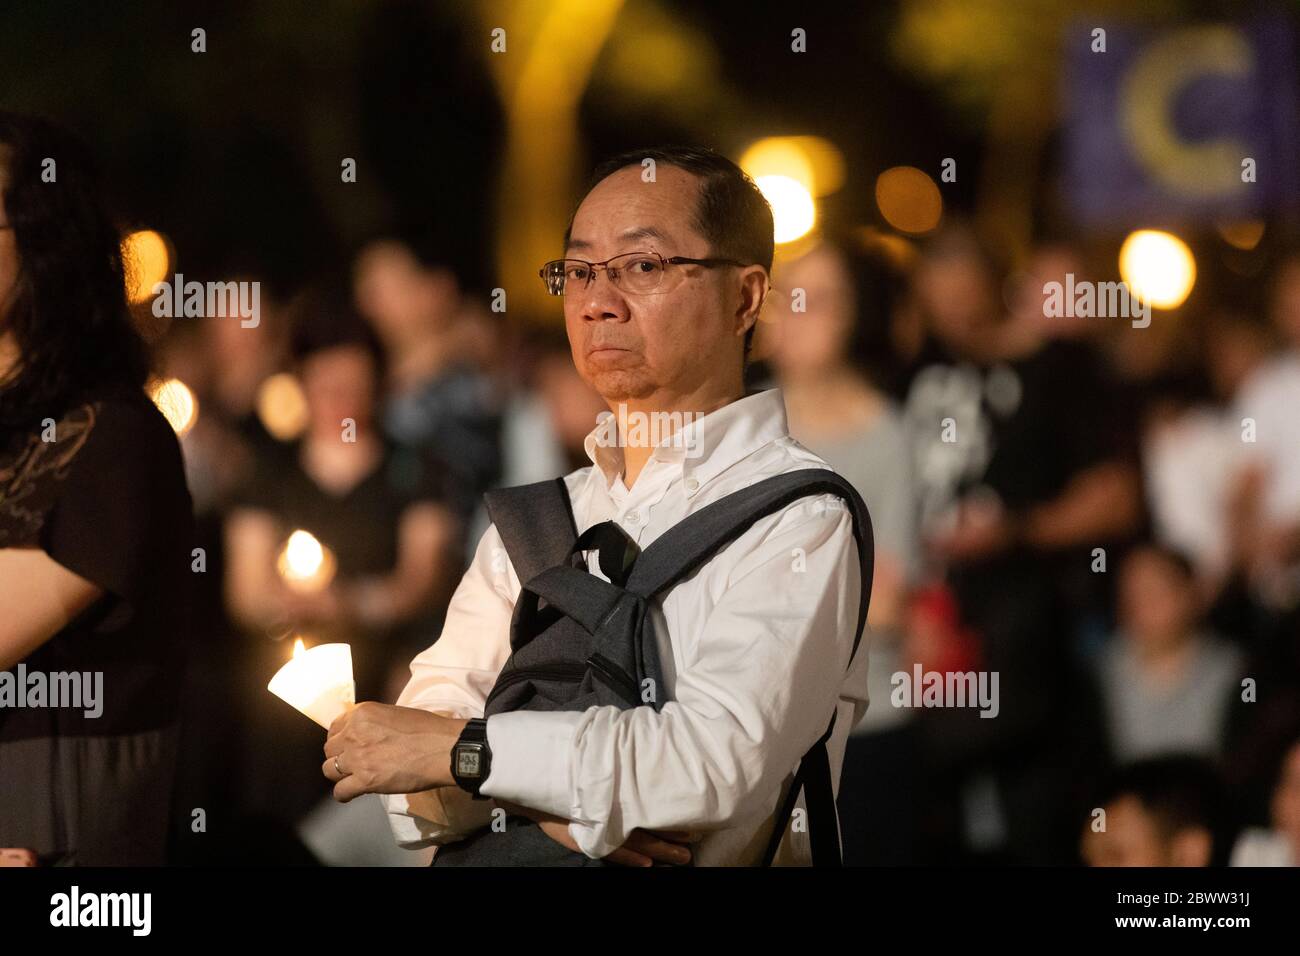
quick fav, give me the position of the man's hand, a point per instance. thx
(643, 847)
(380, 748)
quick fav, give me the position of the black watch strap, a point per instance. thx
(471, 758)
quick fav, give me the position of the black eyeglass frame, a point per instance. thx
(712, 262)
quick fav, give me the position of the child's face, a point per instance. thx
(1134, 837)
(1131, 838)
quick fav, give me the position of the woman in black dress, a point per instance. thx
(95, 528)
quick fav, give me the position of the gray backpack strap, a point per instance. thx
(688, 545)
(535, 523)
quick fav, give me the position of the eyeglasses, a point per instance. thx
(640, 273)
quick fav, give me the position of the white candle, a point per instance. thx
(317, 682)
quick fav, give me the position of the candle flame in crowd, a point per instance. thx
(304, 563)
(177, 403)
(147, 261)
(282, 407)
(1157, 267)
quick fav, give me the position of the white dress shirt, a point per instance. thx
(754, 646)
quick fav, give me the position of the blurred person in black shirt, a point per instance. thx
(1021, 476)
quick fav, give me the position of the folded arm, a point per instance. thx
(40, 597)
(453, 677)
(769, 669)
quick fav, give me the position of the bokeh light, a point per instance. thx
(147, 261)
(282, 407)
(909, 199)
(1244, 234)
(811, 160)
(793, 211)
(1158, 268)
(177, 403)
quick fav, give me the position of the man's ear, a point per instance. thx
(754, 287)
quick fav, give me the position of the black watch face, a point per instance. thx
(469, 761)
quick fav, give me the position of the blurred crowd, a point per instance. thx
(1106, 516)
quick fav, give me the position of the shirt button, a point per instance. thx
(633, 518)
(692, 485)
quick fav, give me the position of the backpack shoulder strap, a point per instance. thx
(535, 523)
(686, 546)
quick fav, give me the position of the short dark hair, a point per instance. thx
(1180, 792)
(69, 315)
(324, 318)
(731, 212)
(1173, 558)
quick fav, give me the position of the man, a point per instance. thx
(755, 646)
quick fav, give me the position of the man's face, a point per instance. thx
(661, 347)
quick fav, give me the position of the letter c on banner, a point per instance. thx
(1146, 105)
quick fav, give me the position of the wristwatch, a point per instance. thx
(471, 758)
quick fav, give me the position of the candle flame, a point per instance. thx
(298, 647)
(303, 554)
(304, 563)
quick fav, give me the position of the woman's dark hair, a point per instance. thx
(877, 287)
(68, 314)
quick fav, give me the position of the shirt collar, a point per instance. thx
(704, 446)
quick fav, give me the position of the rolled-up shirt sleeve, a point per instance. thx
(453, 677)
(766, 678)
